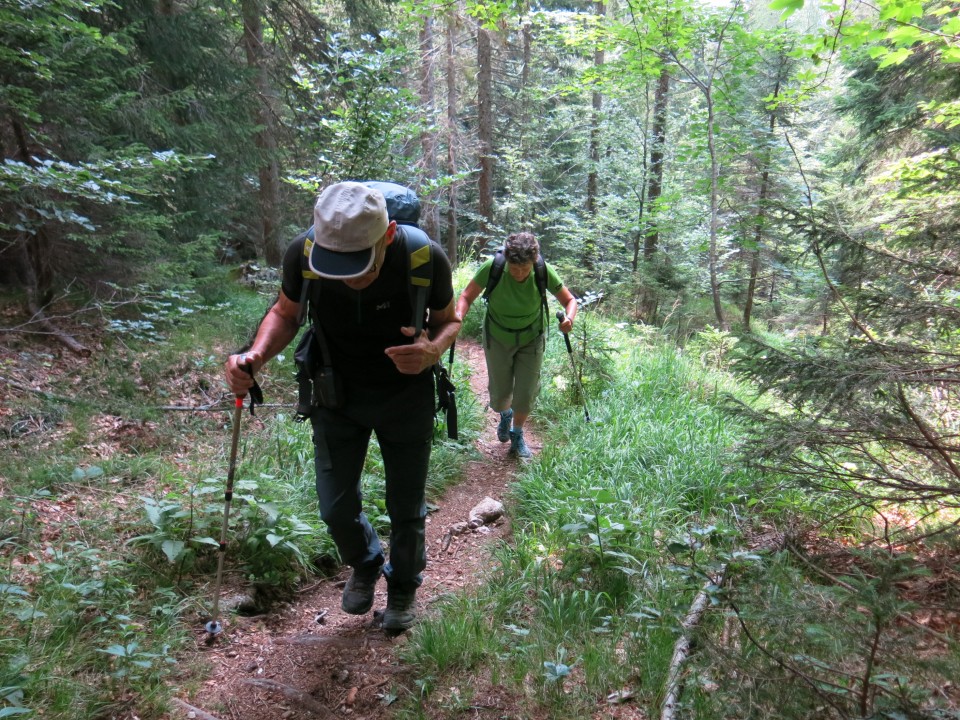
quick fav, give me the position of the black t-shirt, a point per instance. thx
(360, 324)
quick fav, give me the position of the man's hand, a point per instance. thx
(277, 329)
(240, 370)
(413, 359)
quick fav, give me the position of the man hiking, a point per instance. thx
(378, 381)
(514, 327)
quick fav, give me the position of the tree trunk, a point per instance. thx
(761, 217)
(525, 71)
(640, 193)
(757, 237)
(485, 129)
(589, 256)
(265, 138)
(430, 218)
(657, 148)
(713, 259)
(527, 217)
(597, 105)
(35, 248)
(452, 135)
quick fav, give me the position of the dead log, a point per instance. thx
(298, 697)
(681, 648)
(193, 712)
(43, 321)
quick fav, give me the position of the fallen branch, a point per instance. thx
(196, 712)
(304, 700)
(681, 648)
(68, 340)
(214, 407)
(35, 391)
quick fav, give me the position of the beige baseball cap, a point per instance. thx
(348, 220)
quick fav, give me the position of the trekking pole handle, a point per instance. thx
(561, 316)
(256, 393)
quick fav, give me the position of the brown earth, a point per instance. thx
(312, 660)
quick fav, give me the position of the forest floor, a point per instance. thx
(309, 659)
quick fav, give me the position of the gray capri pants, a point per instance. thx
(513, 373)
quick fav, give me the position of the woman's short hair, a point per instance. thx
(521, 247)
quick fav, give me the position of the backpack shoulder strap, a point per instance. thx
(419, 272)
(496, 272)
(307, 274)
(540, 273)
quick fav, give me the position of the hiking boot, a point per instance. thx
(358, 592)
(399, 615)
(503, 429)
(518, 447)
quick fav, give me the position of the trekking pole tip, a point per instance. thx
(213, 628)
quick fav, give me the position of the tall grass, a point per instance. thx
(585, 601)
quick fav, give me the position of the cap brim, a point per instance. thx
(340, 265)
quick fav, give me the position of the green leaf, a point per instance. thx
(950, 55)
(604, 496)
(910, 11)
(789, 6)
(115, 650)
(896, 57)
(906, 35)
(173, 549)
(11, 711)
(205, 541)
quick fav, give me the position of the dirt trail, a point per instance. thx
(289, 665)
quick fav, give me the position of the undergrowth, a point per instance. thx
(624, 519)
(113, 501)
(639, 502)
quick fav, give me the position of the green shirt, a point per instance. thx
(514, 306)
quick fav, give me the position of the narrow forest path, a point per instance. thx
(311, 660)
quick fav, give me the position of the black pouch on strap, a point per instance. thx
(318, 385)
(446, 399)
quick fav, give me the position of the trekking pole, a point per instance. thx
(214, 627)
(561, 316)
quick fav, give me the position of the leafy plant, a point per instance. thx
(556, 671)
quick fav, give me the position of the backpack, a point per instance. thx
(539, 274)
(403, 207)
